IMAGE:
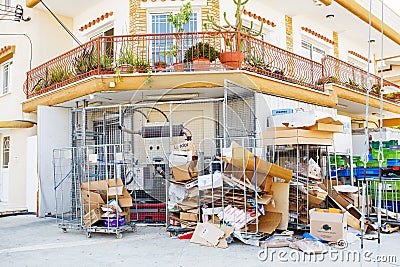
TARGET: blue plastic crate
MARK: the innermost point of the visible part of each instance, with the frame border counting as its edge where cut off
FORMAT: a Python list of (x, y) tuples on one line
[(333, 173), (344, 173), (371, 172), (393, 162), (389, 205)]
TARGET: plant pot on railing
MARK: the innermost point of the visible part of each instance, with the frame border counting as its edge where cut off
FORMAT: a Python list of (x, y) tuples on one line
[(160, 66), (179, 67), (126, 68), (201, 54), (201, 64), (232, 60)]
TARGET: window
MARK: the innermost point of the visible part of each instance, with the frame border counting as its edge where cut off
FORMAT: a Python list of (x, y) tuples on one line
[(7, 4), (6, 151), (160, 25), (5, 77), (311, 51)]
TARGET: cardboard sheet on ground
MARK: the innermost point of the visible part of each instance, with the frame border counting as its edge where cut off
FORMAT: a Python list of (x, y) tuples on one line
[(267, 223), (207, 234), (280, 193), (243, 158)]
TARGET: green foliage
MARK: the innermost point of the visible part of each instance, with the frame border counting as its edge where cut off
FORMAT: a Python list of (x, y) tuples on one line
[(59, 74), (126, 55), (352, 83), (141, 65), (201, 50), (257, 62), (230, 39), (179, 19)]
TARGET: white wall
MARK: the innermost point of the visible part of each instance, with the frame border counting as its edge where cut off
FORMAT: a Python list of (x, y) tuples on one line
[(54, 131), (32, 185)]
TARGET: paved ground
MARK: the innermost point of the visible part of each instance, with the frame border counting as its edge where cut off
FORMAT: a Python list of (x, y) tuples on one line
[(28, 241)]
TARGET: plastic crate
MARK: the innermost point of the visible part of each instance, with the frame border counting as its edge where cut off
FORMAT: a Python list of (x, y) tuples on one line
[(343, 173), (393, 154), (390, 205), (385, 144), (393, 162), (375, 163), (370, 173)]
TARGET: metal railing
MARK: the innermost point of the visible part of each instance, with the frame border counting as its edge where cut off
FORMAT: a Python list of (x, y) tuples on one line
[(342, 73), (150, 53)]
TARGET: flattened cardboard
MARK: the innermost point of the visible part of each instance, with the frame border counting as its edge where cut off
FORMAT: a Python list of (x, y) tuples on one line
[(267, 223), (114, 191), (207, 233), (227, 231), (265, 199), (92, 197), (268, 183), (280, 193), (241, 155)]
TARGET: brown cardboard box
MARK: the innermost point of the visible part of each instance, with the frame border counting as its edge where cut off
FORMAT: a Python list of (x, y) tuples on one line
[(101, 185), (92, 217), (297, 141), (329, 127), (285, 132), (238, 173), (125, 201), (280, 194), (187, 216), (181, 173), (328, 226)]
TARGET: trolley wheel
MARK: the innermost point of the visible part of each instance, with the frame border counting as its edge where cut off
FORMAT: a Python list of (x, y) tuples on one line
[(119, 235), (64, 230), (88, 234)]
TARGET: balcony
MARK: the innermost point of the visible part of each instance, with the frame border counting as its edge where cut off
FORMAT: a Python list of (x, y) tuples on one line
[(150, 54), (179, 52), (351, 77)]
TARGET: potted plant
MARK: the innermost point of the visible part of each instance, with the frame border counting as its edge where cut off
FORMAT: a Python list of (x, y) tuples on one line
[(160, 66), (126, 59), (141, 65), (178, 21), (234, 40), (201, 54)]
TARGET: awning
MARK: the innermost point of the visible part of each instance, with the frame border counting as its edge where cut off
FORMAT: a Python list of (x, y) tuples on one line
[(16, 124)]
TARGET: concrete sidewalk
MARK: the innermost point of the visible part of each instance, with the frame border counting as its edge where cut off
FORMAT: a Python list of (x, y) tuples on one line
[(7, 209), (29, 241)]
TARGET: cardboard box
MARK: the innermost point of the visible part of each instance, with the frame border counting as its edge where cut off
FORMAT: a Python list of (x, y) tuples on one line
[(114, 191), (101, 185), (285, 132), (125, 201), (186, 216), (91, 197), (92, 217), (296, 141), (329, 127), (328, 226), (211, 235), (181, 173)]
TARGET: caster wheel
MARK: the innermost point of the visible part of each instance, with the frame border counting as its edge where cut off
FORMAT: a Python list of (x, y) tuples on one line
[(88, 235), (64, 230), (119, 235)]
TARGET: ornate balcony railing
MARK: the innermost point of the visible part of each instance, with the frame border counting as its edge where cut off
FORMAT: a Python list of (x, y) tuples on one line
[(352, 77), (175, 52)]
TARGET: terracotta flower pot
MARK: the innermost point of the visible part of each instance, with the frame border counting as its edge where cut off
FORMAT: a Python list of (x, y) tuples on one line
[(179, 67), (232, 60), (201, 64)]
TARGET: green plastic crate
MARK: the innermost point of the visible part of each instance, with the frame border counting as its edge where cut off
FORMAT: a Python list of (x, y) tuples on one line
[(385, 144), (393, 154), (390, 190), (375, 163)]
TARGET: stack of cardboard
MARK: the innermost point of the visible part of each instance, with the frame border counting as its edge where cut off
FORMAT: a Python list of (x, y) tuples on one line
[(105, 199), (296, 130), (244, 196)]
